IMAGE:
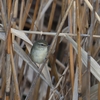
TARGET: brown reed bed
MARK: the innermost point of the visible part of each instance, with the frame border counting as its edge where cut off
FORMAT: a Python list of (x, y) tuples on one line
[(71, 70)]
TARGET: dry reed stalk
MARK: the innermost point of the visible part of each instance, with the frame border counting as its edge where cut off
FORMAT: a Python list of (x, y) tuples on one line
[(71, 50), (25, 80), (36, 90), (53, 57), (35, 13), (5, 4), (21, 73), (44, 10), (54, 90), (36, 23), (53, 62), (8, 77), (49, 29), (60, 64), (52, 15), (8, 35), (50, 50), (14, 76), (96, 51), (53, 67), (13, 95), (51, 18), (89, 54), (21, 14), (98, 48), (97, 5), (15, 13), (34, 18), (47, 94), (95, 31), (74, 26), (53, 72), (91, 8), (74, 17), (9, 4), (63, 7), (3, 85), (54, 33), (79, 53), (18, 40), (26, 11), (3, 14), (67, 92), (83, 19)]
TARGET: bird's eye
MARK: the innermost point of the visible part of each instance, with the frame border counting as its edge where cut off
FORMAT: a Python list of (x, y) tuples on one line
[(42, 44)]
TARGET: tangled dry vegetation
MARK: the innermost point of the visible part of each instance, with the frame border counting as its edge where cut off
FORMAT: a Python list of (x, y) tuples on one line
[(71, 70)]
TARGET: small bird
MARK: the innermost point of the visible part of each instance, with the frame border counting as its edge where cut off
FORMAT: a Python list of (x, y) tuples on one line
[(38, 54), (39, 51)]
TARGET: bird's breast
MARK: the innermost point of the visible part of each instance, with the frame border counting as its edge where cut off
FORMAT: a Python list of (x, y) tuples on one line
[(39, 55)]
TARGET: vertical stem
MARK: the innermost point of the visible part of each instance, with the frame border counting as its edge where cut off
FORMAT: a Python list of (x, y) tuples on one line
[(35, 95), (21, 73), (15, 13), (20, 28), (71, 50), (34, 17), (21, 14), (74, 18), (35, 13), (9, 4), (26, 11), (49, 29), (89, 54), (3, 85), (79, 53), (3, 14), (63, 7), (14, 76), (8, 75), (52, 15)]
